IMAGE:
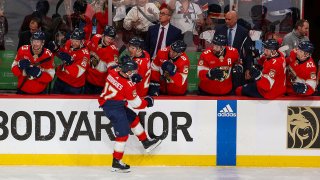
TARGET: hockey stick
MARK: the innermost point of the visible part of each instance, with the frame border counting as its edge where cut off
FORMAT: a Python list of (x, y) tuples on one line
[(58, 5)]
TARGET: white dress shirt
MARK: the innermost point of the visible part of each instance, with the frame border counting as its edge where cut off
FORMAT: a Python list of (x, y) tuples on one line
[(233, 33), (163, 44)]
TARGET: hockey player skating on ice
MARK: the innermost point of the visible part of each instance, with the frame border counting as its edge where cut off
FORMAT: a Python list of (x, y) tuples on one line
[(120, 91)]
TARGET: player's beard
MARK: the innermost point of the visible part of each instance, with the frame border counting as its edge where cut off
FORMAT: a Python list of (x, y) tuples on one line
[(175, 57), (219, 53)]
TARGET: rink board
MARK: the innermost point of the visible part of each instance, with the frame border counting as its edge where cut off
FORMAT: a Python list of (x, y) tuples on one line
[(74, 132), (196, 131)]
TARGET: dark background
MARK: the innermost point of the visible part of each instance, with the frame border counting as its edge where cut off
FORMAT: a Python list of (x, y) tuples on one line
[(311, 13)]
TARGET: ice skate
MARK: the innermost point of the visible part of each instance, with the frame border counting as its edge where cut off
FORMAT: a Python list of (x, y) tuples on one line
[(151, 144), (119, 166)]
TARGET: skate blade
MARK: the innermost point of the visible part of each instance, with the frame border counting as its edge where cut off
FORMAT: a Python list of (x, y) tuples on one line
[(120, 170), (151, 148)]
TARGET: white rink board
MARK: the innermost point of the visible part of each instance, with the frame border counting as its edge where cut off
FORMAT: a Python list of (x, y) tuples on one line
[(202, 130), (262, 128)]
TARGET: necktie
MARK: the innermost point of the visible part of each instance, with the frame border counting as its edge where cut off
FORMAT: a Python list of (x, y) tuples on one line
[(230, 37), (160, 39)]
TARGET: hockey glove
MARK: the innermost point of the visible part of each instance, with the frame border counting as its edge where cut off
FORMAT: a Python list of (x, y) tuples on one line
[(237, 69), (23, 64), (215, 74), (65, 57), (52, 46), (136, 78), (300, 88), (34, 72), (154, 89), (94, 60), (150, 101), (255, 73), (169, 67)]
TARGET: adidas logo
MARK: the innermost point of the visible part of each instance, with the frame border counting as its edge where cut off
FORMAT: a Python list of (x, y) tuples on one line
[(227, 112)]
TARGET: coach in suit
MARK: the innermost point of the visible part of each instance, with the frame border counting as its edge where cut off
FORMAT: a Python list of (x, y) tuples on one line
[(238, 37), (163, 34)]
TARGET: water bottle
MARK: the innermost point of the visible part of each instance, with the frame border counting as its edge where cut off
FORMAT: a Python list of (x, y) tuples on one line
[(94, 26)]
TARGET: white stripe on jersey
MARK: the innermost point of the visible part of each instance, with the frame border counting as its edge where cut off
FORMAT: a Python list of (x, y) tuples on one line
[(200, 68), (312, 83), (14, 63), (271, 81), (81, 71), (50, 71), (136, 102), (184, 78), (101, 67), (155, 67)]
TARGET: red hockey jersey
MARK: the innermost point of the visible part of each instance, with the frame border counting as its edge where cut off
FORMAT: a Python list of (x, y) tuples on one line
[(303, 72), (144, 70), (74, 74), (34, 85), (208, 61), (171, 85), (108, 56), (120, 88), (273, 80), (88, 27)]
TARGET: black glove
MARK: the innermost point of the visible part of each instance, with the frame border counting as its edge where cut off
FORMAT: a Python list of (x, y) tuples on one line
[(65, 57), (255, 73), (114, 66), (23, 64), (215, 74), (52, 46), (300, 88), (136, 78), (169, 67), (154, 89), (237, 69), (34, 71), (150, 101)]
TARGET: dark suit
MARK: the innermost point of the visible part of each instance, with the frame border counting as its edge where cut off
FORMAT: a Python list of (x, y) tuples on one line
[(173, 35), (240, 36)]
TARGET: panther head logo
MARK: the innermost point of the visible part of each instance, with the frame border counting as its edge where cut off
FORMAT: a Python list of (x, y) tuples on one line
[(302, 127)]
